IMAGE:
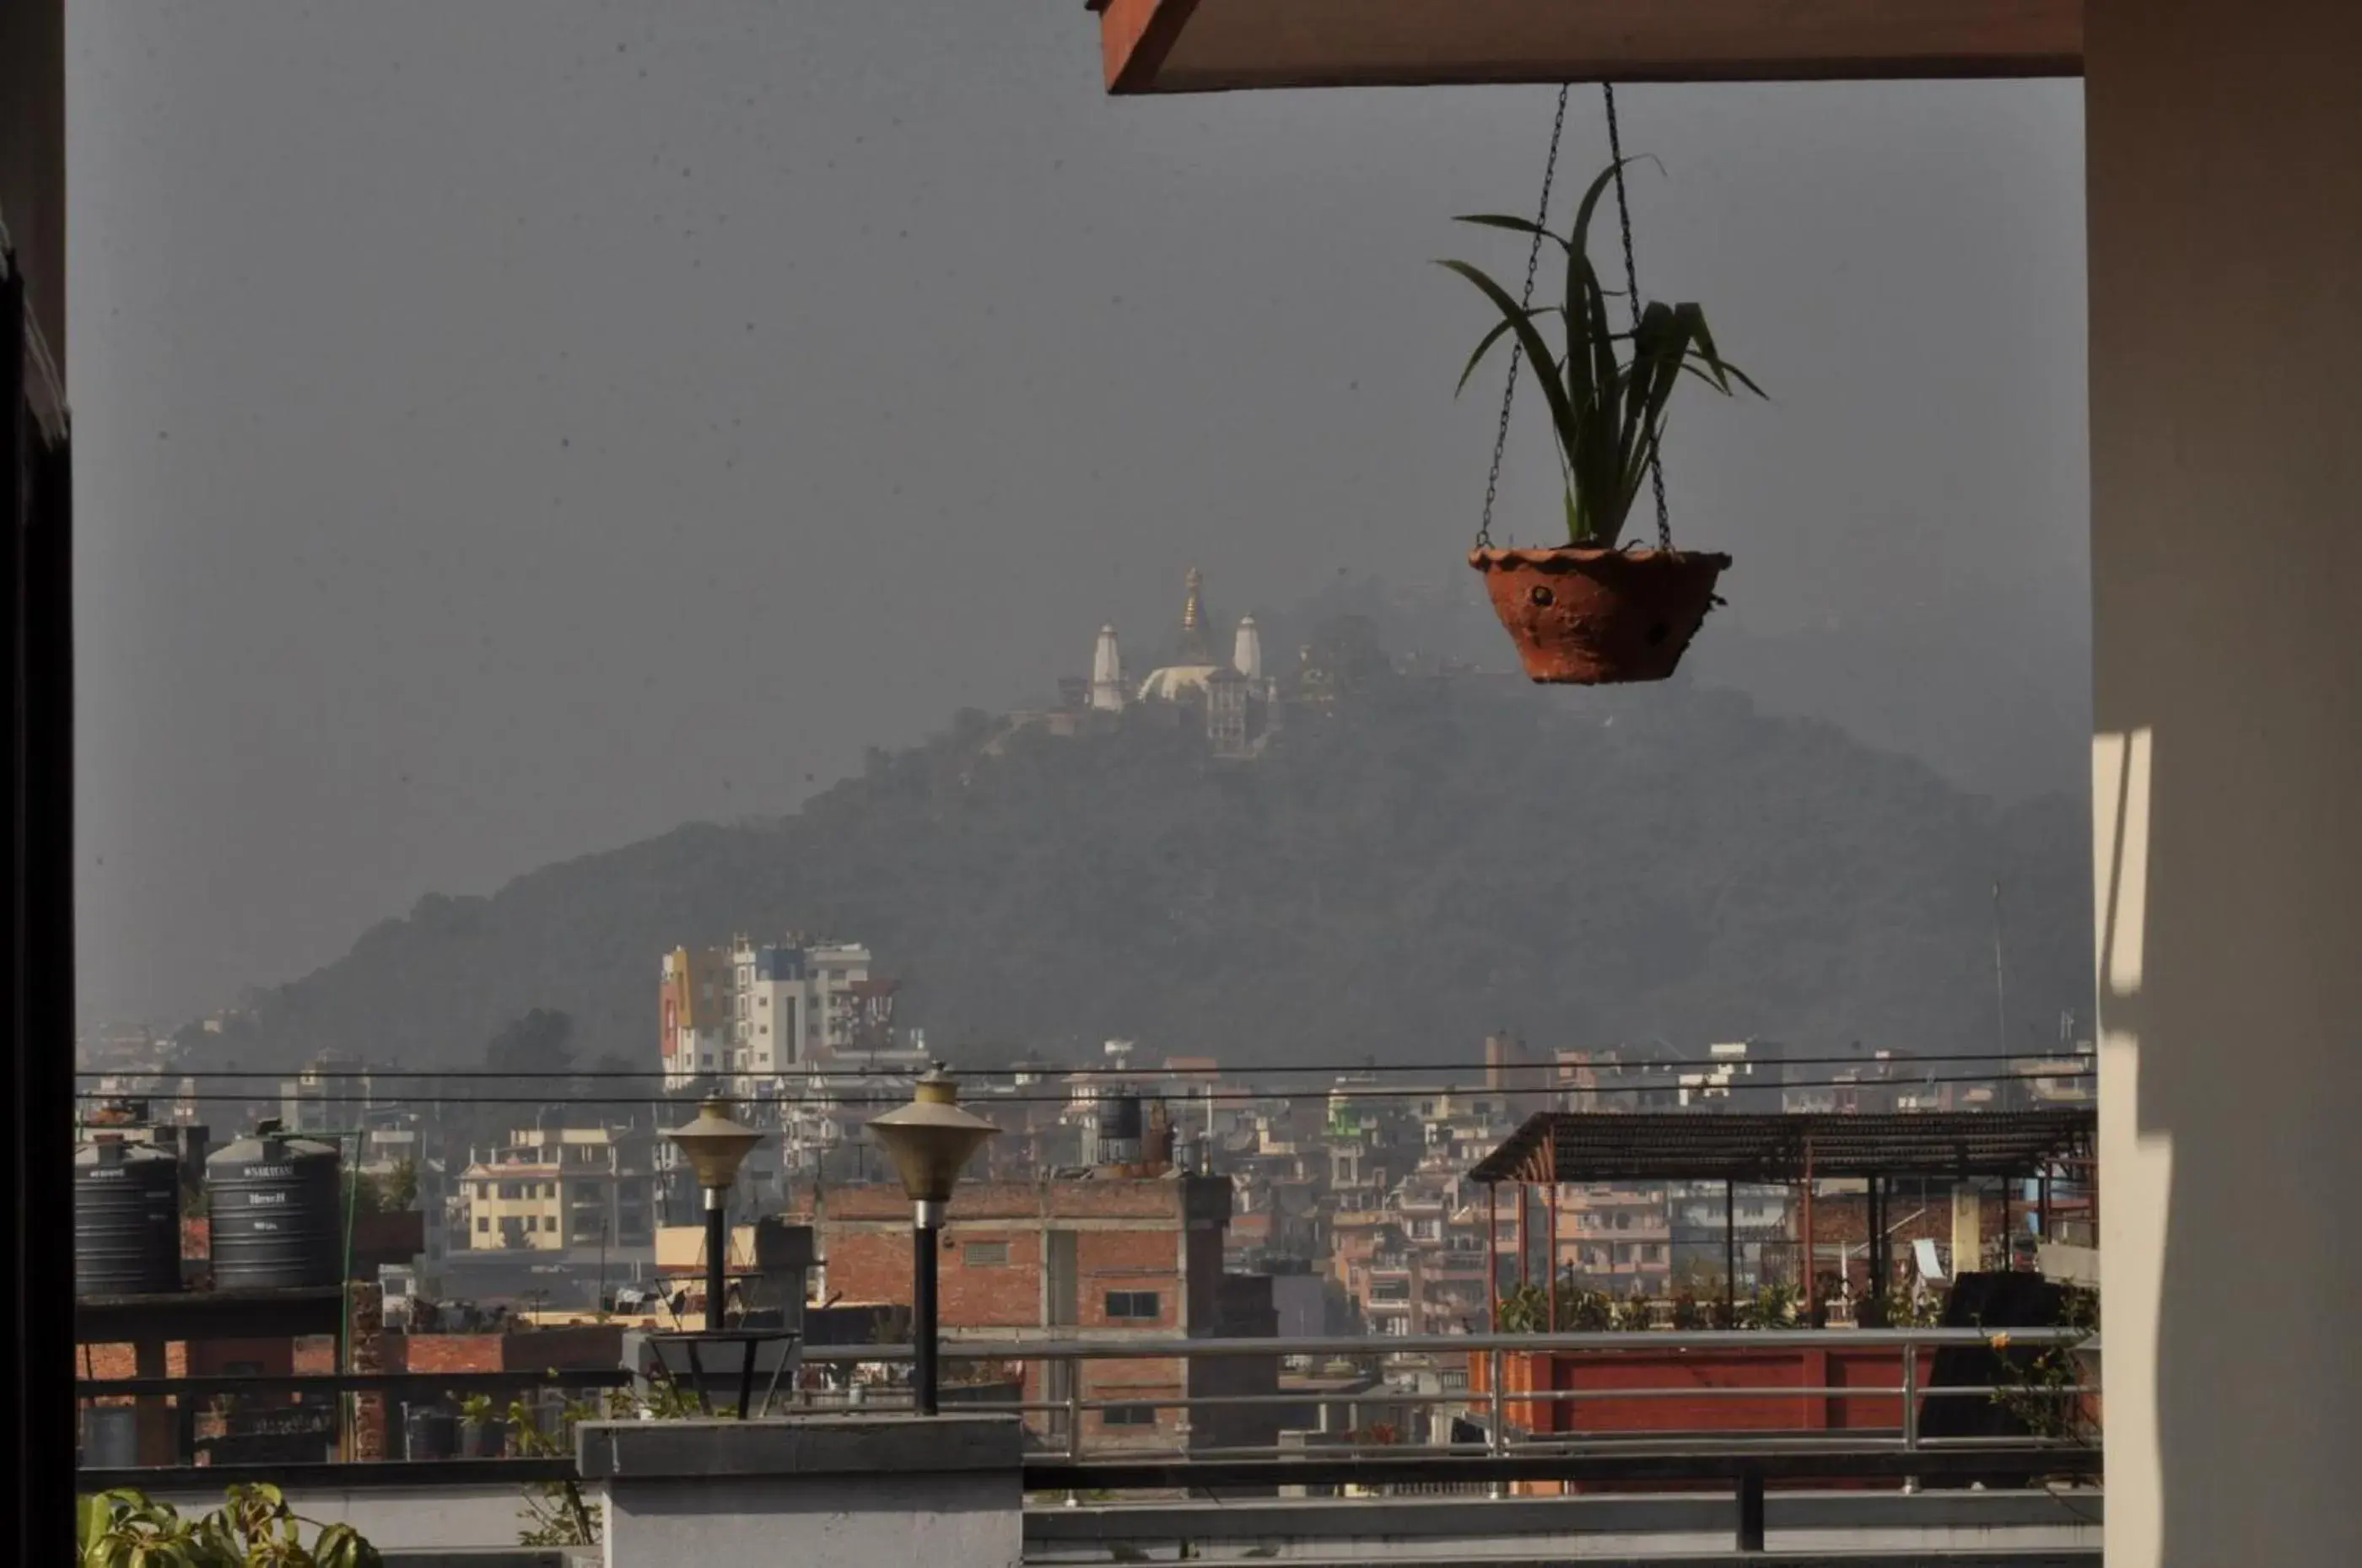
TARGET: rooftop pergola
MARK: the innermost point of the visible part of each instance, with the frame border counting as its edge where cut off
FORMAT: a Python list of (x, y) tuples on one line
[(1556, 1148), (1570, 1146)]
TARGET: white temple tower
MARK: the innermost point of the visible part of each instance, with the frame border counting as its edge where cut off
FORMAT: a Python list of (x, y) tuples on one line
[(1107, 673), (1246, 654)]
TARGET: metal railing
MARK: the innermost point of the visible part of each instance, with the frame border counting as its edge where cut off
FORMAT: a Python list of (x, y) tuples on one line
[(1486, 1402), (1061, 1418)]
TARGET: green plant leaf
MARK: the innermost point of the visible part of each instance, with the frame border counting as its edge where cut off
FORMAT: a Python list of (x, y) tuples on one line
[(1515, 225), (1500, 330), (1546, 371), (1607, 407)]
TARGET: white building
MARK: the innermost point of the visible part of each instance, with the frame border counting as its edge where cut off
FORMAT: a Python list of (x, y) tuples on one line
[(800, 1035)]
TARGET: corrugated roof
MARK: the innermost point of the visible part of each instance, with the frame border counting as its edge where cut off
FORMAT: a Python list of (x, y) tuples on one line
[(1571, 1146)]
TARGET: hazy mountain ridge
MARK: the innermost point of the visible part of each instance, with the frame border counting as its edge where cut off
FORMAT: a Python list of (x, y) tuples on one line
[(1433, 859)]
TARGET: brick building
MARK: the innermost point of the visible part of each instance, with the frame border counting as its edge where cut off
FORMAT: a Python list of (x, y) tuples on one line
[(1095, 1254)]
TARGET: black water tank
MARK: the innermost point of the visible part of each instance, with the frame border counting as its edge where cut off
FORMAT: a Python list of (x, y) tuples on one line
[(1119, 1128), (430, 1432), (126, 1235), (278, 1212)]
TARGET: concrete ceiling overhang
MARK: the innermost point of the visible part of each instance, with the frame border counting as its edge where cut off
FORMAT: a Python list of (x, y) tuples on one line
[(1213, 46)]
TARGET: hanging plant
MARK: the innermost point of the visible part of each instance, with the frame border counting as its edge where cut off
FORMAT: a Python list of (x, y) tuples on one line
[(1593, 610)]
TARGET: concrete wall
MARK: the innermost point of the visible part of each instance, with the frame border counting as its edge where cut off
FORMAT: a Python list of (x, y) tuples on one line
[(865, 1491), (2226, 211)]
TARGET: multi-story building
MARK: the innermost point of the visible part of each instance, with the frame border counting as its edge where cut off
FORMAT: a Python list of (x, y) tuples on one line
[(1095, 1254), (694, 1007), (1616, 1238), (1741, 1076), (750, 1016), (550, 1190), (331, 1094)]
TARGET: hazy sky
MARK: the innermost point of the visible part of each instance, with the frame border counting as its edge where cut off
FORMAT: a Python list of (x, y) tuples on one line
[(504, 431)]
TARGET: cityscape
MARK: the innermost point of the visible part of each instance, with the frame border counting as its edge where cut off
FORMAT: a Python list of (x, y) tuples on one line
[(1037, 787)]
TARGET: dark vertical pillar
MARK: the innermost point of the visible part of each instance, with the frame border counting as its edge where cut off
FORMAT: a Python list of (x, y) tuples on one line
[(1751, 1511), (924, 1240), (1730, 1252), (1875, 1243), (1811, 1286), (37, 650), (1549, 1257), (717, 1259), (1492, 1257), (1525, 1249)]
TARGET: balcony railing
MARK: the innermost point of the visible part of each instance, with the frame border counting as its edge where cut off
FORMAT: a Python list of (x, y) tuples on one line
[(1358, 1422)]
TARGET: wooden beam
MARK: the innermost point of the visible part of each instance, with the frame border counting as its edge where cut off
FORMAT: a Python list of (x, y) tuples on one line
[(1210, 46)]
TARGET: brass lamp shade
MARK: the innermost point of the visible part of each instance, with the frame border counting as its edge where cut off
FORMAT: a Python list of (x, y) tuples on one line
[(715, 1144), (932, 1138)]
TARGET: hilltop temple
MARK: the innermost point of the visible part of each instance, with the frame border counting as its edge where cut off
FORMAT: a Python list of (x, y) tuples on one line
[(1237, 701)]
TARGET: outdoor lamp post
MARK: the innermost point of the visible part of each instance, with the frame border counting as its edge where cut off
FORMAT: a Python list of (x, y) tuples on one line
[(928, 1141), (715, 1146)]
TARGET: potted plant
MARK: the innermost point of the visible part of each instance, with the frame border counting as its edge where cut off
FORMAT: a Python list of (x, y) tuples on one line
[(1594, 611)]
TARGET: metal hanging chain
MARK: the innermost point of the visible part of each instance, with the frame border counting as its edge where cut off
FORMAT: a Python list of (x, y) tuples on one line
[(1516, 350), (1632, 298)]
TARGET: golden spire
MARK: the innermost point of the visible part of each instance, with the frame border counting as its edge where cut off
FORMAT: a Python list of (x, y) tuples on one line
[(1194, 647)]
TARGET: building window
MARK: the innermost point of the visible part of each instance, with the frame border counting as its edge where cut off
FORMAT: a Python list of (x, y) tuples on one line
[(482, 1223), (1128, 1416), (1134, 1305), (509, 1191), (986, 1254)]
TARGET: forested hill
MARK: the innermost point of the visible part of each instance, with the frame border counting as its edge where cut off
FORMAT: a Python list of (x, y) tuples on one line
[(1430, 860)]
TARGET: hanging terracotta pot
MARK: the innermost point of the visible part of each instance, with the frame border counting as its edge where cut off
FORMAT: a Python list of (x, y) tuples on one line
[(1596, 617)]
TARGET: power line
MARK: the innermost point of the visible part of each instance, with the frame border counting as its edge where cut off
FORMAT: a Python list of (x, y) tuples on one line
[(1247, 1096), (1338, 1070)]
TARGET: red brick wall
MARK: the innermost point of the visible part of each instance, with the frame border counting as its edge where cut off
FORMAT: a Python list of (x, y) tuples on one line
[(866, 1238), (875, 1265), (1129, 1236), (1107, 1261), (579, 1346)]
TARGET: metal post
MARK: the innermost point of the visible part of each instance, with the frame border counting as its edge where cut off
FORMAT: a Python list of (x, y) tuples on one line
[(1549, 1258), (1497, 1441), (1911, 1403), (1074, 1407), (1811, 1287), (924, 1235), (717, 1257), (1729, 1251), (1750, 1511), (1492, 1257), (1877, 1207)]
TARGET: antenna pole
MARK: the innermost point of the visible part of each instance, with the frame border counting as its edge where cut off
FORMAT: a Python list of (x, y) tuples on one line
[(2001, 980)]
